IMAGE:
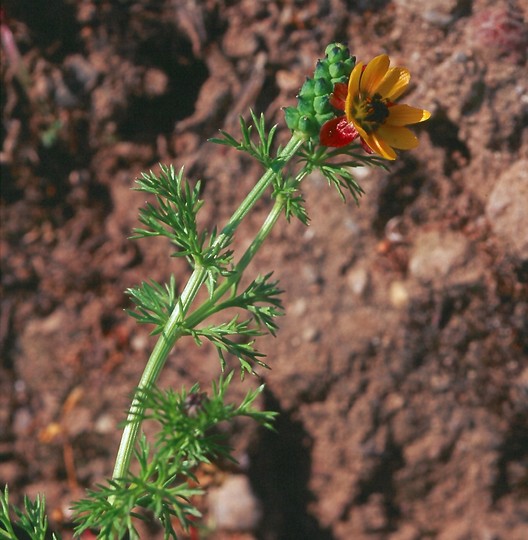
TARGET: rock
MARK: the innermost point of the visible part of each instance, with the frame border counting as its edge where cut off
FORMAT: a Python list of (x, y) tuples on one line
[(240, 41), (233, 506), (436, 12), (506, 209), (105, 424), (22, 420), (358, 280), (500, 32), (155, 82), (287, 81), (438, 254), (77, 421)]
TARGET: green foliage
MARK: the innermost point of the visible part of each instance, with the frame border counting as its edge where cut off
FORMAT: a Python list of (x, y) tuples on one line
[(163, 489), (337, 171), (219, 336), (287, 191), (261, 150), (175, 216), (154, 303), (188, 420), (31, 520), (156, 492), (261, 300)]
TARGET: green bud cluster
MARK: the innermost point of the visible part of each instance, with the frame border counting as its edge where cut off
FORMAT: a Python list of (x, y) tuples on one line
[(313, 102)]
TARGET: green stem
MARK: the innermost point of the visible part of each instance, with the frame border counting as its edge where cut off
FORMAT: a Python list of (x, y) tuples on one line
[(155, 364), (287, 153), (210, 306), (172, 332)]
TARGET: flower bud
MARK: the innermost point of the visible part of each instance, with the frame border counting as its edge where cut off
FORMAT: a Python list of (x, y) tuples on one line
[(321, 70), (305, 104), (321, 104), (336, 69), (336, 52), (322, 118), (323, 87), (291, 115), (307, 89), (309, 126), (313, 105)]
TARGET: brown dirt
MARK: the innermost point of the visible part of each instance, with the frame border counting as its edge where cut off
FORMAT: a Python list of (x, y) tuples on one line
[(400, 370)]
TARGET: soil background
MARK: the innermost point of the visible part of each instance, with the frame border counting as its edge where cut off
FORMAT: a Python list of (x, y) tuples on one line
[(400, 370)]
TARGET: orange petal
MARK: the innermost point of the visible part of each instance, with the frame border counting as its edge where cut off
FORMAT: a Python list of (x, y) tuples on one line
[(394, 83), (398, 137), (374, 73), (353, 88), (402, 115), (360, 130), (379, 146)]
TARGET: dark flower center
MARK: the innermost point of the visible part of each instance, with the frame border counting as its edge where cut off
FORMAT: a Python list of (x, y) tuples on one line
[(370, 112)]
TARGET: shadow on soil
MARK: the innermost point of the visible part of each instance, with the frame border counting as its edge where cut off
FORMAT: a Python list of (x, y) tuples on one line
[(280, 471)]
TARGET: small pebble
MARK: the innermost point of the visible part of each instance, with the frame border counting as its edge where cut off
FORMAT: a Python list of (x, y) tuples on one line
[(398, 294), (105, 424), (234, 506), (358, 281)]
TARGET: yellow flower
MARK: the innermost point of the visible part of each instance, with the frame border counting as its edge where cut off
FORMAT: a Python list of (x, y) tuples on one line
[(370, 111)]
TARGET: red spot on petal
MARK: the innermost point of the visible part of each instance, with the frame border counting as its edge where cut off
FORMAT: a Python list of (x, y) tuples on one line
[(337, 132)]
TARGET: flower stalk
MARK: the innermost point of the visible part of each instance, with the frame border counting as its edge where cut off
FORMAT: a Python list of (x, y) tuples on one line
[(365, 94), (173, 331)]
